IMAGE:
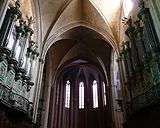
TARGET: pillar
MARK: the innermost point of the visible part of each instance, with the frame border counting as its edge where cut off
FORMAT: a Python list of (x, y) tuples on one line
[(38, 88)]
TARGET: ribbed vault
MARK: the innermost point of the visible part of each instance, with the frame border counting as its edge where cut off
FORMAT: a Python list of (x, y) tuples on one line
[(80, 42), (57, 14)]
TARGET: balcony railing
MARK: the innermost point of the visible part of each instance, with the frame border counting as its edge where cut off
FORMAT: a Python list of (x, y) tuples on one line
[(15, 101)]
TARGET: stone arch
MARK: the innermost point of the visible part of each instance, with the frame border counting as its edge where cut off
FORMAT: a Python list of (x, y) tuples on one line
[(100, 62), (63, 30), (56, 37)]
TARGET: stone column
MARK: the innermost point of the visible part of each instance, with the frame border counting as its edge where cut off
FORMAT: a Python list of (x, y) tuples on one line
[(47, 106), (63, 125), (37, 89), (89, 101), (100, 102), (57, 103), (53, 105), (62, 104), (76, 102), (122, 80), (72, 103)]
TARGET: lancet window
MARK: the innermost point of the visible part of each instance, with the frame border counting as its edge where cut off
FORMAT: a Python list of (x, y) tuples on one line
[(81, 95)]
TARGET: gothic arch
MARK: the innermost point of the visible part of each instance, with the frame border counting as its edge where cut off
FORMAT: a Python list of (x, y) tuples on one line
[(63, 61), (55, 37)]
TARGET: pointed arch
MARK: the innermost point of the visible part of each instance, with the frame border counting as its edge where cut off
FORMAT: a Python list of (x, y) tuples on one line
[(55, 37)]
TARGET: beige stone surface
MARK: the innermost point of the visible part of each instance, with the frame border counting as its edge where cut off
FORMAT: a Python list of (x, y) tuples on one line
[(103, 14)]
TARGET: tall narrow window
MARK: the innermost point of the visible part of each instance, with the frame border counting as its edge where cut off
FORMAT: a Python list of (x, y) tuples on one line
[(67, 98), (81, 95), (95, 94), (104, 93)]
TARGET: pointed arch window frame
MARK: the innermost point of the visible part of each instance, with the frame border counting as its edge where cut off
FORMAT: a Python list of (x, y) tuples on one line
[(104, 94), (81, 95), (95, 94), (67, 94)]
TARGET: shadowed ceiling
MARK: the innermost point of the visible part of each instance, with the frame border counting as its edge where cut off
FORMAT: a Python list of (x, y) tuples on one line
[(82, 43)]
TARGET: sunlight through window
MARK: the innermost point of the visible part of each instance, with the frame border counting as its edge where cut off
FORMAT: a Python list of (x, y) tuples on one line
[(95, 94), (127, 6), (67, 98), (81, 95), (104, 93)]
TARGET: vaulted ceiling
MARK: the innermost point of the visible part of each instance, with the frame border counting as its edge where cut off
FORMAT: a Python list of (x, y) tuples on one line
[(104, 15), (76, 46), (81, 28), (55, 17)]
